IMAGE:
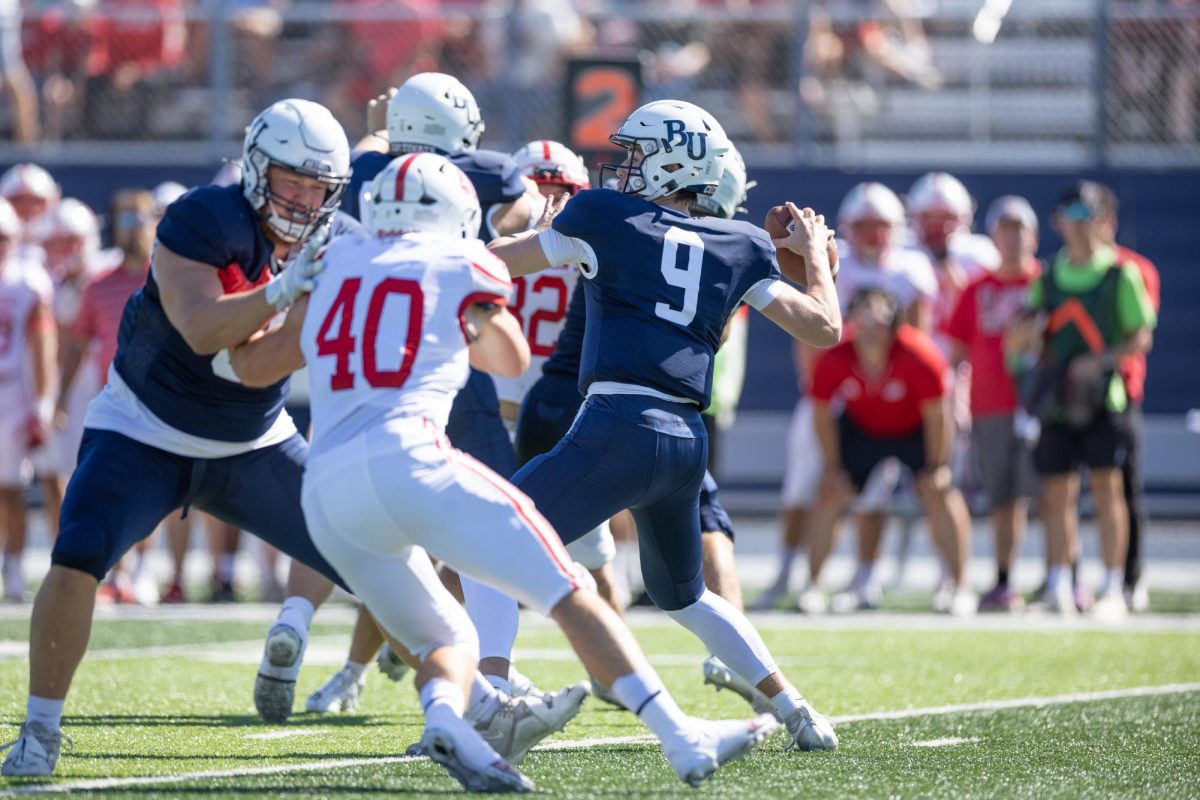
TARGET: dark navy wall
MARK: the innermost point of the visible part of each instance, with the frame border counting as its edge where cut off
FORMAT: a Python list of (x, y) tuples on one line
[(1160, 217)]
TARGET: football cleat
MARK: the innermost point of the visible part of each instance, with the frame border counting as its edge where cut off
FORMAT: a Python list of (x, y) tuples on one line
[(391, 664), (810, 730), (770, 599), (520, 686), (516, 725), (1110, 606), (813, 601), (1137, 597), (275, 686), (470, 761), (602, 692), (706, 746), (34, 752), (722, 677), (340, 693)]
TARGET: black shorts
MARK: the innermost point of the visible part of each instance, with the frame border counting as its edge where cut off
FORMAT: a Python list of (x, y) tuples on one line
[(1101, 445), (862, 451)]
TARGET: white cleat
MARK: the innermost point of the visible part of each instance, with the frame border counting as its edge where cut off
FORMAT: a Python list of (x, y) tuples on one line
[(1137, 597), (1110, 606), (516, 725), (275, 686), (722, 677), (471, 761), (706, 746), (1060, 600), (391, 664), (520, 686), (34, 752), (964, 603), (813, 601), (340, 693), (809, 730)]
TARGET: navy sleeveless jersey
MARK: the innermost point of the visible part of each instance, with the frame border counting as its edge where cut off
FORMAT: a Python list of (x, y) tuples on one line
[(213, 225), (493, 174), (663, 287), (569, 349)]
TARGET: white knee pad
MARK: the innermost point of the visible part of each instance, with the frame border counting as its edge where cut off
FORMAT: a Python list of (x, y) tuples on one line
[(595, 548)]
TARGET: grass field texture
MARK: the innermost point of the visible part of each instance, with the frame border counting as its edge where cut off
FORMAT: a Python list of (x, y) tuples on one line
[(162, 708)]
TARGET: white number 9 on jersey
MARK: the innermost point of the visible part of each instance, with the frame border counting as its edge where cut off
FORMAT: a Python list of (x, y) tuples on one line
[(687, 278)]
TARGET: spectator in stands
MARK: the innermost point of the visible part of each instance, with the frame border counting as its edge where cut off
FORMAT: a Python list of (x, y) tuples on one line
[(1133, 371), (987, 308), (1096, 313), (887, 379), (64, 49), (17, 82), (749, 59)]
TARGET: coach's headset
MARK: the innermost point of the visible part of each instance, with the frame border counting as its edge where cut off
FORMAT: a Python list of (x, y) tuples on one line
[(864, 296)]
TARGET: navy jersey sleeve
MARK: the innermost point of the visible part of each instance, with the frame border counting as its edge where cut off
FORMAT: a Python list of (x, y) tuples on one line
[(493, 174), (363, 169), (211, 225), (588, 214)]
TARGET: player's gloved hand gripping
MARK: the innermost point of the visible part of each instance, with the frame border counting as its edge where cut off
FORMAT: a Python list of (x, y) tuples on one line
[(296, 279)]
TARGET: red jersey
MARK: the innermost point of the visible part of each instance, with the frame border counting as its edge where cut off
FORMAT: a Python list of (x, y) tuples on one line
[(887, 404), (986, 309), (1133, 368), (99, 317)]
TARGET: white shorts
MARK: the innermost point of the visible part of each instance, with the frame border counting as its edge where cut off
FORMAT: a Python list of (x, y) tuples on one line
[(400, 489), (802, 473), (61, 453), (595, 548), (13, 417)]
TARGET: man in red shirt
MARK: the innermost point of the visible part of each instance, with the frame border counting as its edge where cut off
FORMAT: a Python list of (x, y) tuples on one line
[(889, 380), (1133, 370), (987, 308)]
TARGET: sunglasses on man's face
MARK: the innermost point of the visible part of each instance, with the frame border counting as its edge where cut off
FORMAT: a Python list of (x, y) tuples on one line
[(128, 220), (1076, 212)]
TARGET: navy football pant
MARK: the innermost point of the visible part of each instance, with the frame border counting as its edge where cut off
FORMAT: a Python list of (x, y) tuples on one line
[(122, 489), (546, 415), (640, 453), (476, 428)]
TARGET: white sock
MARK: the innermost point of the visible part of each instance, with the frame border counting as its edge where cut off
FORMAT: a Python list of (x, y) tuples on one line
[(787, 555), (1113, 579), (1055, 576), (441, 701), (786, 702), (728, 635), (139, 567), (45, 711), (484, 697), (496, 618), (297, 612), (356, 669), (644, 695), (864, 574)]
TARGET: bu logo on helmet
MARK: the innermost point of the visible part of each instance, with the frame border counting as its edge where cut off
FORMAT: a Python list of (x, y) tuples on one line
[(678, 128)]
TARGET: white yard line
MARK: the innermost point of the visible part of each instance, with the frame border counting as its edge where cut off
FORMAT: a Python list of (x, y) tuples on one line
[(284, 734), (947, 742), (311, 766)]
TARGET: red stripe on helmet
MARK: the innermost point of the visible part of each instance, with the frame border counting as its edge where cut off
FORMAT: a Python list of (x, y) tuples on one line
[(404, 165)]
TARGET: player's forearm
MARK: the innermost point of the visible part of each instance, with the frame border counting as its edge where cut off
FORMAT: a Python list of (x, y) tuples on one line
[(70, 356), (500, 348), (216, 324), (521, 253), (42, 346), (268, 358), (808, 316)]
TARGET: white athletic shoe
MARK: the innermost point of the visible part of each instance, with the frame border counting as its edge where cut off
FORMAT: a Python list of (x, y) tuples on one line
[(863, 597), (517, 724), (1060, 600), (943, 597), (471, 761), (340, 693), (701, 751), (14, 581), (145, 590), (810, 730), (1110, 606), (813, 601), (521, 686), (34, 752), (391, 665), (769, 600), (1137, 597), (275, 686), (722, 677), (964, 603)]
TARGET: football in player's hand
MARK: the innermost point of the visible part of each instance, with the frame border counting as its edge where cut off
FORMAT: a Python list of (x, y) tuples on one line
[(791, 264)]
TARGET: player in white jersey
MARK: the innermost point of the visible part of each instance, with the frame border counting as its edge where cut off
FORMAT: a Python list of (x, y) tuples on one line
[(27, 374), (387, 335), (871, 220), (32, 192)]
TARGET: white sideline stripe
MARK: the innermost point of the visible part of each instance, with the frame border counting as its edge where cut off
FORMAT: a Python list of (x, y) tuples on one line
[(1024, 702), (283, 734), (947, 742), (577, 744)]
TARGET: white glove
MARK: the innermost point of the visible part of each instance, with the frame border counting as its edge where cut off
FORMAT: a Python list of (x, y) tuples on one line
[(296, 279)]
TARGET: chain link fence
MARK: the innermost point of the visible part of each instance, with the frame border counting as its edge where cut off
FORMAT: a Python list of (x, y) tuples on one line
[(850, 83)]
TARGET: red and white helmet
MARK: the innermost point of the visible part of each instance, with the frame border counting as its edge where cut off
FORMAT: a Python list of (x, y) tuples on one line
[(421, 192), (940, 191), (545, 161), (871, 200), (30, 189), (10, 223), (70, 235)]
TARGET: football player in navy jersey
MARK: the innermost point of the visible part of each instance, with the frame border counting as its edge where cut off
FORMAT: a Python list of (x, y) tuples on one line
[(660, 286), (173, 427), (434, 112)]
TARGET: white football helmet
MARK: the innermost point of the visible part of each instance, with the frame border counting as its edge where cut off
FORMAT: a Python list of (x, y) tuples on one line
[(433, 111), (301, 136), (871, 200), (166, 193), (421, 192), (681, 146), (70, 235), (544, 161), (731, 192), (940, 191), (29, 179)]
